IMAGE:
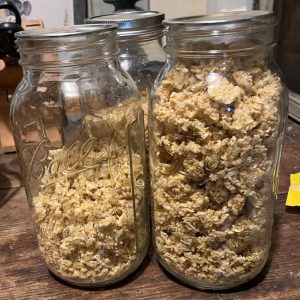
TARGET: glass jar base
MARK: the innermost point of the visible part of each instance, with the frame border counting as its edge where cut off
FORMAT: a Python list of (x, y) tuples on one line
[(109, 282), (209, 287)]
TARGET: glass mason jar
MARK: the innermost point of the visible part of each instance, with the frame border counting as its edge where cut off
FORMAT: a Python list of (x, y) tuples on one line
[(78, 129), (140, 41), (216, 123)]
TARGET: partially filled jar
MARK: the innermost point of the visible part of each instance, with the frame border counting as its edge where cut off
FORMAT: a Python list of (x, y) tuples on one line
[(78, 129), (140, 41), (216, 123)]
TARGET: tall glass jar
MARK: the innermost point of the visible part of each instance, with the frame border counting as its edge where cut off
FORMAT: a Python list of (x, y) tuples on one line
[(141, 53), (216, 123), (78, 129), (140, 41)]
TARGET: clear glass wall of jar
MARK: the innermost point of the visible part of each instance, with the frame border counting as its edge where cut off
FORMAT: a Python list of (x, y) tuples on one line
[(78, 129), (140, 41), (216, 123)]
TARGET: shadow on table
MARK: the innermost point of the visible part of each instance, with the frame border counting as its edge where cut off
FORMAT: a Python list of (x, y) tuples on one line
[(292, 210), (7, 191)]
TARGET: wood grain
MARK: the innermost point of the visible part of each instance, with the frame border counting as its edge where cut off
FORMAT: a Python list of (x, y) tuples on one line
[(23, 274)]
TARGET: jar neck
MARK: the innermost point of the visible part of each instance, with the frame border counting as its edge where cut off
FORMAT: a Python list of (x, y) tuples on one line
[(141, 36), (146, 46), (58, 73), (70, 51), (265, 54), (190, 43)]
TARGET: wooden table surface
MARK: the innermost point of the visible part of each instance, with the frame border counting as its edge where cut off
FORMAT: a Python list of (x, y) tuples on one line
[(24, 276)]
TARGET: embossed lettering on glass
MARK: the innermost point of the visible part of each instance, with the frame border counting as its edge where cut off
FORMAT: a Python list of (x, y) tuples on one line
[(78, 128)]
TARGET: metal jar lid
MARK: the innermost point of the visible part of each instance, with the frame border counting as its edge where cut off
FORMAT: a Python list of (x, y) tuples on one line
[(65, 31), (67, 46), (225, 21), (133, 24)]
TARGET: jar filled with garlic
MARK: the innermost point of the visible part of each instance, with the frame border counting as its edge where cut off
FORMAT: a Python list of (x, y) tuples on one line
[(78, 128), (216, 123)]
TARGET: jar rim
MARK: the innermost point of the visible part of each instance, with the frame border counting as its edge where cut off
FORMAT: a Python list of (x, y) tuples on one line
[(65, 31), (137, 23), (226, 33), (223, 18), (67, 46), (220, 18)]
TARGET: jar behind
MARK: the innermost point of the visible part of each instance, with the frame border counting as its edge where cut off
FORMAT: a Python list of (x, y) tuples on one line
[(216, 122), (140, 42), (78, 129)]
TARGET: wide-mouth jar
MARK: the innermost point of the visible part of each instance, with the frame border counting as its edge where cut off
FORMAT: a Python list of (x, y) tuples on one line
[(140, 40), (216, 121), (78, 129)]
